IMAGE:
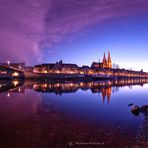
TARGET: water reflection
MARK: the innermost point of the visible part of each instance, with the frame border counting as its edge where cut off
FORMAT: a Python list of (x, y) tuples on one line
[(6, 85), (106, 88), (60, 112)]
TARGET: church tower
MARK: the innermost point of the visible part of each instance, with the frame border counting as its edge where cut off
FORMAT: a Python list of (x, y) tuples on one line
[(104, 61), (109, 61)]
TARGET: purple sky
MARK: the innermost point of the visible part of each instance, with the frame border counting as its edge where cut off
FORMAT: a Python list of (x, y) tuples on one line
[(31, 29)]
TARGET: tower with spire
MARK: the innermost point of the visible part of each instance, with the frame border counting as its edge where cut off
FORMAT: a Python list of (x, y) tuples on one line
[(107, 62), (104, 61)]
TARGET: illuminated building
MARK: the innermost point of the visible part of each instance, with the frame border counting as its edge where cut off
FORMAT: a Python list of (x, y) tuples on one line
[(106, 62), (58, 68)]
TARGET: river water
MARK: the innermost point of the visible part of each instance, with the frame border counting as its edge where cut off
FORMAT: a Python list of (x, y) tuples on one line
[(72, 114)]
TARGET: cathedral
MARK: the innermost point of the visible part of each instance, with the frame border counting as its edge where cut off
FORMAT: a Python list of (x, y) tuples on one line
[(106, 62)]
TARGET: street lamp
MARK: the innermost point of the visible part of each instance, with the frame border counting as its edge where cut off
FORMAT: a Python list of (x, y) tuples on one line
[(8, 62)]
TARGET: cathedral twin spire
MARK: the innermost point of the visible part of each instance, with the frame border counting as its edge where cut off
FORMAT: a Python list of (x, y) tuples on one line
[(107, 62)]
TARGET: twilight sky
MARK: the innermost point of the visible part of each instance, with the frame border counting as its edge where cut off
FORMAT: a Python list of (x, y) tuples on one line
[(76, 31)]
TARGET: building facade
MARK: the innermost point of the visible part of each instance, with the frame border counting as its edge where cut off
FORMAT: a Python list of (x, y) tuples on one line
[(57, 68)]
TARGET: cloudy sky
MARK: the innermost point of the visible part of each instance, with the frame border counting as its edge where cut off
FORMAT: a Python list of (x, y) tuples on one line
[(76, 31)]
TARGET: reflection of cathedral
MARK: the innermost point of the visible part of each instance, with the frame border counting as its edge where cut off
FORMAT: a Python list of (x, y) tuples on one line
[(60, 88), (105, 88), (106, 92)]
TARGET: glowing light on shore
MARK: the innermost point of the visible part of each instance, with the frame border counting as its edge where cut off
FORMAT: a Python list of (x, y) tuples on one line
[(81, 72), (71, 84), (8, 62), (15, 74)]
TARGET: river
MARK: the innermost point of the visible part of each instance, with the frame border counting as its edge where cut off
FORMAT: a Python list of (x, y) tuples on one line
[(72, 114)]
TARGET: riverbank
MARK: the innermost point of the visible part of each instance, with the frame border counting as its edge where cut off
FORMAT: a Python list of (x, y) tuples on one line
[(85, 77)]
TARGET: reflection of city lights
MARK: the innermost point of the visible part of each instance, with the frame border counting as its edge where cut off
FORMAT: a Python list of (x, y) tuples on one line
[(34, 86), (58, 84), (71, 84), (19, 90), (81, 84), (8, 94), (45, 85), (15, 83), (45, 71)]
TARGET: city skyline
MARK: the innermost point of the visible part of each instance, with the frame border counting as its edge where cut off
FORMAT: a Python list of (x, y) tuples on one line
[(104, 62), (75, 31)]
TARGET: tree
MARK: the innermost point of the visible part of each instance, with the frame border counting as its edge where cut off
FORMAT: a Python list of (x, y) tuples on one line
[(116, 66)]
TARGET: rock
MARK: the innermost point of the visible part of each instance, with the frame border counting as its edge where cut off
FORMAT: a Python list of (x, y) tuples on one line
[(144, 108), (131, 104), (135, 110)]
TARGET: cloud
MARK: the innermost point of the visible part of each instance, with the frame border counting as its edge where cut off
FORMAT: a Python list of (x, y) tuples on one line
[(69, 16), (29, 27), (21, 29)]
